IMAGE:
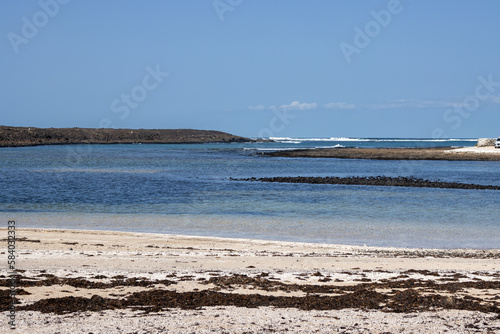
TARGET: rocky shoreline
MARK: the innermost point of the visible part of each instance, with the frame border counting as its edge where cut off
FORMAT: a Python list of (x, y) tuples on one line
[(30, 136), (438, 153)]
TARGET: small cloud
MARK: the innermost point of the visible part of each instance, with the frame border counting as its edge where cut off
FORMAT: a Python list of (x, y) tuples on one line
[(425, 104), (411, 105), (398, 104), (389, 105), (296, 105), (259, 107), (340, 105)]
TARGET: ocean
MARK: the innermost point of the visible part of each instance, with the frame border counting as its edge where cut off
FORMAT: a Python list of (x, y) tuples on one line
[(186, 189)]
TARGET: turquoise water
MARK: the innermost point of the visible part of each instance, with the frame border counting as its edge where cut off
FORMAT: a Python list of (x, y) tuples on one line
[(186, 189)]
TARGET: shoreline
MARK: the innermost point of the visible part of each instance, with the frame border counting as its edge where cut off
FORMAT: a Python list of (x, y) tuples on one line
[(109, 223), (254, 241), (119, 276), (437, 153), (347, 233)]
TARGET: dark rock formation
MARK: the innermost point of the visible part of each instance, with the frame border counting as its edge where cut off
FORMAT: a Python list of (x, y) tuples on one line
[(23, 136), (373, 181)]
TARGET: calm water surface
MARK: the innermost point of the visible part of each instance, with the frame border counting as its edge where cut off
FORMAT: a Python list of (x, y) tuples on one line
[(186, 189)]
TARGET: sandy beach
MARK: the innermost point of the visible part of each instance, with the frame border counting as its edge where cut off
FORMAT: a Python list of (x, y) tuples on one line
[(117, 282)]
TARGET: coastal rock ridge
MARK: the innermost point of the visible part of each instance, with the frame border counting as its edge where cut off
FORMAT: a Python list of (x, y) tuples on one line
[(30, 136)]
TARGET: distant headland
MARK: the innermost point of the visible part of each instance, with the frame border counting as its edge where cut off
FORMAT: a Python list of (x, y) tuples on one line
[(30, 136)]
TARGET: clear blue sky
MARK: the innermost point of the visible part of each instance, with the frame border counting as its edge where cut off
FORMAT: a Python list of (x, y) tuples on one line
[(421, 68)]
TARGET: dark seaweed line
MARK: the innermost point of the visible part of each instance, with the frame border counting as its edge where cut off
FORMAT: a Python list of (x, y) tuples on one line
[(371, 181), (411, 298)]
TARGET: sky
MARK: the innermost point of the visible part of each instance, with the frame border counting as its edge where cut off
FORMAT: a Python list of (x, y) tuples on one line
[(259, 68)]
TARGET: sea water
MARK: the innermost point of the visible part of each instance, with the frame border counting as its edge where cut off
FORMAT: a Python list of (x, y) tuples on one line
[(186, 189)]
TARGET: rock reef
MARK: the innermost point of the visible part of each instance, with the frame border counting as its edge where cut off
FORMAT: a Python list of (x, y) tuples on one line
[(373, 181)]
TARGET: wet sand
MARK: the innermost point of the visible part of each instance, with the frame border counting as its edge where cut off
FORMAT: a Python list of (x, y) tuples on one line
[(439, 153), (91, 281)]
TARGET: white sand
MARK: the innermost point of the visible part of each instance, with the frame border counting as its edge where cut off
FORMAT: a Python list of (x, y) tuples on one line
[(258, 320)]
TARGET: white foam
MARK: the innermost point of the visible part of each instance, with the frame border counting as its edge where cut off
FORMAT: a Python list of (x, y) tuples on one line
[(270, 149), (301, 140), (335, 146), (296, 140)]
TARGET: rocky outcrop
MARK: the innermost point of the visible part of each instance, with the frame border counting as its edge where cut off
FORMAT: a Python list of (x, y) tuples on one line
[(485, 142), (24, 136)]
